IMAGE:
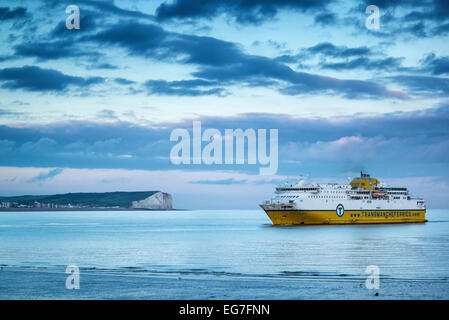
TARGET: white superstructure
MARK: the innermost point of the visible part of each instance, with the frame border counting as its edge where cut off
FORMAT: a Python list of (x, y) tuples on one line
[(325, 196)]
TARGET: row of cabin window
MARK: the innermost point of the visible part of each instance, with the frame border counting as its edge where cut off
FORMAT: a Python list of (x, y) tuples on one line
[(327, 197)]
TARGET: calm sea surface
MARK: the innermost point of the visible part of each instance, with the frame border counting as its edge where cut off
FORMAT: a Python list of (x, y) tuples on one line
[(225, 243)]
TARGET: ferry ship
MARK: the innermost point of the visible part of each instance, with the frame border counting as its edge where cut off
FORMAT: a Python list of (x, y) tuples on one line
[(363, 200)]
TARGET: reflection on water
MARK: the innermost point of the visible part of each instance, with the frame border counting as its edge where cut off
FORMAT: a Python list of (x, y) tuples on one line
[(233, 242)]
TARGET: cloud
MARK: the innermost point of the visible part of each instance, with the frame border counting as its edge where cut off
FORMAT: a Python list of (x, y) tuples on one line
[(61, 42), (386, 64), (9, 113), (6, 145), (124, 81), (46, 176), (436, 65), (326, 19), (343, 148), (405, 141), (243, 11), (32, 78), (12, 14), (110, 7), (335, 57), (331, 50), (53, 50), (441, 30), (107, 114), (43, 145), (253, 68), (104, 66), (224, 181), (89, 22), (399, 18), (101, 7), (225, 62), (435, 10), (195, 87), (152, 41), (423, 85)]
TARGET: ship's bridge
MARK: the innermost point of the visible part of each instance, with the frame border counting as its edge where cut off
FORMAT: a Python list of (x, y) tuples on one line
[(364, 182)]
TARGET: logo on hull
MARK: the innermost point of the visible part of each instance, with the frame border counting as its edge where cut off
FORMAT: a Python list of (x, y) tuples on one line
[(340, 210)]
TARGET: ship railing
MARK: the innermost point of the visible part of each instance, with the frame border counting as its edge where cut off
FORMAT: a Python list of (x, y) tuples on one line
[(273, 204)]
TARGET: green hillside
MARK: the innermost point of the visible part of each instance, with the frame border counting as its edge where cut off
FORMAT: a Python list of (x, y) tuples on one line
[(103, 199)]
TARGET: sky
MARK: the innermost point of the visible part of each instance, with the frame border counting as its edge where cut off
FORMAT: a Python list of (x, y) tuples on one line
[(92, 109)]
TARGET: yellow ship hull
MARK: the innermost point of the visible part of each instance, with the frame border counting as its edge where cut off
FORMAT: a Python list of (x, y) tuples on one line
[(315, 217)]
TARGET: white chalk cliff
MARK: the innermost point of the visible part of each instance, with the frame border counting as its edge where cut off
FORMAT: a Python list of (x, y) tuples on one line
[(159, 200)]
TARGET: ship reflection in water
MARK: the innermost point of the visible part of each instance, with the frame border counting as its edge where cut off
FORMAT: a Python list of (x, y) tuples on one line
[(230, 254)]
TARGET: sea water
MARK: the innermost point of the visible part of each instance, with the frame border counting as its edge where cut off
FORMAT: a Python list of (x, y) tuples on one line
[(232, 246)]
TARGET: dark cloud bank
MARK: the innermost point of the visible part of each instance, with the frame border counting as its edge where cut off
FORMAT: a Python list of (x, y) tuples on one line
[(389, 142)]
